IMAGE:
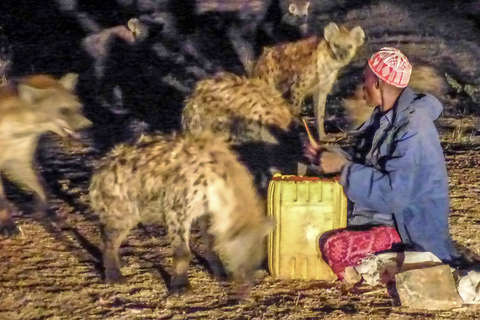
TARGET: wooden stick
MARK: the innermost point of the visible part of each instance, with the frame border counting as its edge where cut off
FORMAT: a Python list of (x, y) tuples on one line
[(310, 137)]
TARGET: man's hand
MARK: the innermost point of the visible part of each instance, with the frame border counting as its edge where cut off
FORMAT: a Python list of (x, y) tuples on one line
[(312, 153), (332, 162)]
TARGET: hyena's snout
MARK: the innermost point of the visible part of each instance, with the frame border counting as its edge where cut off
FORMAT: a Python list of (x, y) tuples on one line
[(294, 20), (81, 122), (74, 124), (245, 252), (302, 19), (79, 125)]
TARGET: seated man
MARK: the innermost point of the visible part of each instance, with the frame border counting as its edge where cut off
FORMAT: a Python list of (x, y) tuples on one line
[(395, 175)]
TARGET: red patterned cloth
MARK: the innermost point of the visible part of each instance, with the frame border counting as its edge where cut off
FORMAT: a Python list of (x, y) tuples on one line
[(347, 248)]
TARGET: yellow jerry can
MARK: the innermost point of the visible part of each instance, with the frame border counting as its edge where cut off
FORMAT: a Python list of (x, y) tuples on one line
[(303, 209)]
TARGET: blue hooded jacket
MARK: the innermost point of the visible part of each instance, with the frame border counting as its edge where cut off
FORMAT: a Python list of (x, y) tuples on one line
[(406, 175)]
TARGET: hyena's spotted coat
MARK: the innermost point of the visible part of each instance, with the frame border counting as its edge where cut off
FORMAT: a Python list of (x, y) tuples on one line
[(239, 108), (173, 181)]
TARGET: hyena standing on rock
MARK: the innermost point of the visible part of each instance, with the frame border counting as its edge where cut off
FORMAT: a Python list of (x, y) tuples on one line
[(35, 105), (173, 181), (309, 67)]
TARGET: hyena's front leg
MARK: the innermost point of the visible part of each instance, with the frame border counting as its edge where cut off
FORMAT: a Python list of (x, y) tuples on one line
[(22, 173), (112, 238), (297, 101), (8, 228), (320, 100), (179, 233)]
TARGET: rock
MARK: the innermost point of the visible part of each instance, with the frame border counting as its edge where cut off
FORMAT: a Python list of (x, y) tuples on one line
[(469, 287), (430, 288), (382, 268), (351, 275)]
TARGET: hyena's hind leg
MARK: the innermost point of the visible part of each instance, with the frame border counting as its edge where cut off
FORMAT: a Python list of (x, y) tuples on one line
[(112, 238), (212, 257), (179, 234), (8, 228)]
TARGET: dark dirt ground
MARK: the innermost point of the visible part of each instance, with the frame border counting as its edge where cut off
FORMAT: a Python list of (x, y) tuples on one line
[(53, 274)]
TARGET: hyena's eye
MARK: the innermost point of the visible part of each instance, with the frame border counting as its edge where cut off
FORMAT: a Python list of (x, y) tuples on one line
[(336, 45), (349, 46), (65, 111)]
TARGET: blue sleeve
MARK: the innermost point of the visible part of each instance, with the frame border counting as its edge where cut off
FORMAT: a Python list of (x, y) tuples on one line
[(385, 191)]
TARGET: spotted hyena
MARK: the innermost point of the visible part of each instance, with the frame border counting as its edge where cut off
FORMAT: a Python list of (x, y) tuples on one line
[(30, 107), (174, 180), (296, 13), (239, 108), (257, 121), (309, 67), (243, 19), (98, 44)]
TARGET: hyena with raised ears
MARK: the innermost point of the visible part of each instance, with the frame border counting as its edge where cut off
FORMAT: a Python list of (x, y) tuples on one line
[(309, 67), (174, 180)]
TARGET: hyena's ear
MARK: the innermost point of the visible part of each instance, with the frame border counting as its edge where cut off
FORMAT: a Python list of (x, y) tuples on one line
[(69, 81), (292, 8), (133, 25), (29, 94), (358, 34), (138, 29), (331, 30)]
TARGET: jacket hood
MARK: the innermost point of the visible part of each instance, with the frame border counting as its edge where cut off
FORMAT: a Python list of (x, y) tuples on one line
[(421, 103), (409, 101)]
